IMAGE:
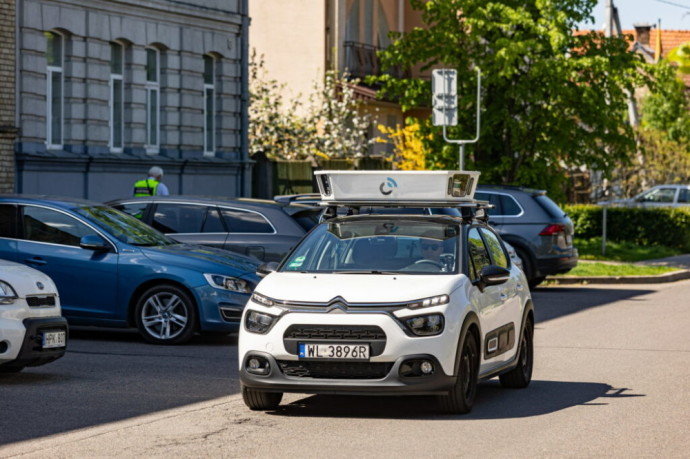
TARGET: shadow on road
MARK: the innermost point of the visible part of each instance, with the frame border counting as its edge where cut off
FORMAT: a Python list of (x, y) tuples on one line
[(493, 402), (554, 302)]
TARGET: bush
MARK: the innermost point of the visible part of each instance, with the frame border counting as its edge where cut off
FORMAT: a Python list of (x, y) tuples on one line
[(643, 226)]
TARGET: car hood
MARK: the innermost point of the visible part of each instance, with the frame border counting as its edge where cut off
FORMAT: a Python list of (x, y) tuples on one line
[(354, 288), (201, 257), (25, 280)]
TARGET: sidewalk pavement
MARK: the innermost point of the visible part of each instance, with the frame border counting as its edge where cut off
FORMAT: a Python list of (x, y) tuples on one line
[(682, 262)]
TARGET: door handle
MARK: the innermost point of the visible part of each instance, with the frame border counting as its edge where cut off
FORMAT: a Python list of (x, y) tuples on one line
[(36, 262)]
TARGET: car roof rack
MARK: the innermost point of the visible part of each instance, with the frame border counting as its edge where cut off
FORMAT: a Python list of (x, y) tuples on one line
[(426, 189)]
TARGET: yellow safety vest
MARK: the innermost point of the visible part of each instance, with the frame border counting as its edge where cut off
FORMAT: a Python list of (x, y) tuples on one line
[(146, 187)]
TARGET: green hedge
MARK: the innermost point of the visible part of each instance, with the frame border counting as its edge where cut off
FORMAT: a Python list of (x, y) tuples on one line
[(643, 226)]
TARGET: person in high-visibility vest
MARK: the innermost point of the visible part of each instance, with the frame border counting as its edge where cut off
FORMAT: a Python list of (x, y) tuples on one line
[(152, 186)]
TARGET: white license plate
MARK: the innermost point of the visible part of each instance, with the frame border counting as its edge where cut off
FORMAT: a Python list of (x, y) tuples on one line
[(334, 351), (53, 339)]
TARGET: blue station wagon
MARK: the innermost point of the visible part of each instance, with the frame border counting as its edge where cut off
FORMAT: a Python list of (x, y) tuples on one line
[(113, 270)]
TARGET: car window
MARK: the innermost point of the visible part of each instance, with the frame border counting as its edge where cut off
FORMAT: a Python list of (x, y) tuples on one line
[(684, 196), (377, 245), (135, 209), (665, 195), (47, 225), (8, 220), (504, 204), (123, 227), (498, 254), (478, 255), (242, 221)]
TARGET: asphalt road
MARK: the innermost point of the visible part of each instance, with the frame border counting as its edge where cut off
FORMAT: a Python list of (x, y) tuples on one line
[(611, 380)]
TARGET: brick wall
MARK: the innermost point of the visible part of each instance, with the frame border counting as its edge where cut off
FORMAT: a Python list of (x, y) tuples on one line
[(7, 95)]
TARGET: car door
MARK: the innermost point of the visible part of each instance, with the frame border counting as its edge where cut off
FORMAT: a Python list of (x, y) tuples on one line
[(491, 302), (190, 223), (86, 279)]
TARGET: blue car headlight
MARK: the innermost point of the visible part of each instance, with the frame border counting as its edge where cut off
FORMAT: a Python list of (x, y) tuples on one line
[(229, 283)]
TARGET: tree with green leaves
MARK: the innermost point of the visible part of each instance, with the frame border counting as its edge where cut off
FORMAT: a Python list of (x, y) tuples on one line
[(550, 98)]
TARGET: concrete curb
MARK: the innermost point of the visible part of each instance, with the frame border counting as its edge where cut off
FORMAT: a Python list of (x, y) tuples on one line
[(658, 279)]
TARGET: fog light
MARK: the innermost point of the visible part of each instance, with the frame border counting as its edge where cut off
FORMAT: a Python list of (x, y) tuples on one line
[(426, 367), (257, 365)]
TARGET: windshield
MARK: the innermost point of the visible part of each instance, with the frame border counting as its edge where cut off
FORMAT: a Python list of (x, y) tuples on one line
[(124, 227), (378, 246)]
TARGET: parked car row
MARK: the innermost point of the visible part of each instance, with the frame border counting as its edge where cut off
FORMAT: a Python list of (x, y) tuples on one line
[(656, 196), (117, 269)]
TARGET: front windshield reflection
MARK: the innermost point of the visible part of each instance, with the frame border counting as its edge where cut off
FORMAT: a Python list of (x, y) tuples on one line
[(380, 246), (124, 227)]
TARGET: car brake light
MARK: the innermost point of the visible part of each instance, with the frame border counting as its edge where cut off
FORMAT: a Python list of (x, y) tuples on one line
[(552, 229)]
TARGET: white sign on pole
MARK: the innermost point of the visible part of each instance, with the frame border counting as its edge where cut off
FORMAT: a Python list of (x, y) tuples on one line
[(444, 86)]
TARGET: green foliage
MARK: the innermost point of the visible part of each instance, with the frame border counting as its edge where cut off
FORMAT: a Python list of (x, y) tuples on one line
[(608, 269), (662, 226), (550, 99), (667, 107)]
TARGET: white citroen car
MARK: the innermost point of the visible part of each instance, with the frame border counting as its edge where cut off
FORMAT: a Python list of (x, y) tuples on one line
[(390, 304), (32, 329)]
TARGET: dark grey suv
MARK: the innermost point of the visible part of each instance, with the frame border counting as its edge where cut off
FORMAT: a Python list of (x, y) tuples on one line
[(264, 229), (539, 230)]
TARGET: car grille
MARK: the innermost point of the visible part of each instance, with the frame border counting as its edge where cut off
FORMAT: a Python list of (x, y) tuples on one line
[(370, 334), (336, 370), (40, 301)]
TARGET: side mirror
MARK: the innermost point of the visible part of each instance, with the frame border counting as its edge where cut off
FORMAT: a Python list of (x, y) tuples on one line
[(94, 242), (265, 269), (492, 275)]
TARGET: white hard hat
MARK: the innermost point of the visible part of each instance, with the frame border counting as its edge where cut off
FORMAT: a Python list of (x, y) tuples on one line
[(156, 171)]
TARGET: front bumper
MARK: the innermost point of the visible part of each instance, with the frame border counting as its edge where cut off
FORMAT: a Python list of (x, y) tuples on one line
[(392, 383), (220, 311), (32, 352)]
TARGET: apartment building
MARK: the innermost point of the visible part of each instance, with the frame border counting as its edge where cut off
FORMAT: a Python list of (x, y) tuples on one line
[(107, 88)]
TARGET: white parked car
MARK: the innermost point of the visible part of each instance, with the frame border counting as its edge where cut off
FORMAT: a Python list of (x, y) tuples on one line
[(32, 329), (390, 304)]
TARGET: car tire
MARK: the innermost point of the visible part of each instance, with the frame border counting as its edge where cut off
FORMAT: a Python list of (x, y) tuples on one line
[(257, 400), (460, 398), (520, 376), (166, 314)]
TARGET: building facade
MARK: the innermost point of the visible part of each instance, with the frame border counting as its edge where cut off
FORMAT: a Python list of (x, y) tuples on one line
[(300, 40), (108, 88), (8, 128)]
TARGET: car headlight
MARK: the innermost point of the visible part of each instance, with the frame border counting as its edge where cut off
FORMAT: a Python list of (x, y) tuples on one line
[(233, 284), (428, 325), (262, 300), (258, 322), (7, 293), (431, 301)]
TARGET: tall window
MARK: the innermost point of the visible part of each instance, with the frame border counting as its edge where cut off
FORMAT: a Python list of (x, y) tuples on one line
[(54, 91), (209, 105), (152, 99), (117, 93)]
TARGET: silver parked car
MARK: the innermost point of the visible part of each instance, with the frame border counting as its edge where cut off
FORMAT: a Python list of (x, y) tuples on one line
[(656, 196)]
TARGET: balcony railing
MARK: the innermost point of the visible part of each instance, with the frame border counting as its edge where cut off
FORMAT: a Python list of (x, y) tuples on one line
[(361, 60)]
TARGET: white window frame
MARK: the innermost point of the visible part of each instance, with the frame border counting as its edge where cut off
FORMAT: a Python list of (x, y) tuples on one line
[(50, 71), (114, 77), (153, 87), (210, 150)]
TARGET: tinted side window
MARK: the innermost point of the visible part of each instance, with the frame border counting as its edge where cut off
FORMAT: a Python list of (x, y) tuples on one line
[(478, 255), (8, 220), (213, 222), (242, 221), (509, 206), (684, 196), (498, 255), (47, 225), (493, 199)]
